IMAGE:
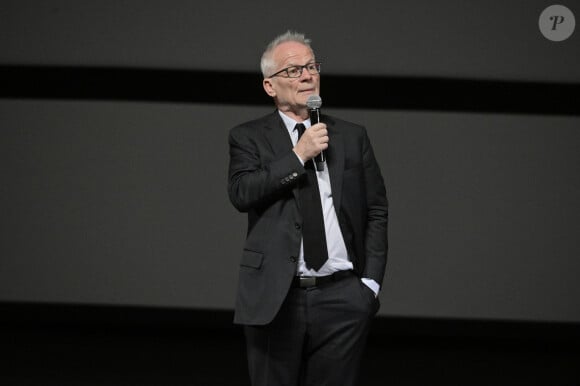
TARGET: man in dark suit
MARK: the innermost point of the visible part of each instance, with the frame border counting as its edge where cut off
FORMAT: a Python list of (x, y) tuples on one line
[(316, 245)]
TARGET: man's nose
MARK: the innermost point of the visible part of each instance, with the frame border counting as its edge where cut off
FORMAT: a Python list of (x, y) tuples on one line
[(305, 74)]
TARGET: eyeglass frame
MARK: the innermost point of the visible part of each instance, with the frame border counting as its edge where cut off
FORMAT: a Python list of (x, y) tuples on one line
[(301, 69)]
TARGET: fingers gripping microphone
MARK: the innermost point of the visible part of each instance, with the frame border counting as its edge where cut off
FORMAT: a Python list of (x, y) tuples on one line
[(313, 103)]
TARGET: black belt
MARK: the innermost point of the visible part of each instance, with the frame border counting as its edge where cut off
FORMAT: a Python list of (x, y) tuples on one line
[(315, 281)]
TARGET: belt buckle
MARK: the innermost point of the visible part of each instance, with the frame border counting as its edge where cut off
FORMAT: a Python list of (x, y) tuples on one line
[(307, 281)]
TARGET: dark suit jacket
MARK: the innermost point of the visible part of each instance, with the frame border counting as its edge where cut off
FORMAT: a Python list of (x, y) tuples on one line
[(262, 181)]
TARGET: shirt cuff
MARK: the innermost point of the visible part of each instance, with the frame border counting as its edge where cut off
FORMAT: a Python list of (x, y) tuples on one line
[(373, 285), (299, 159)]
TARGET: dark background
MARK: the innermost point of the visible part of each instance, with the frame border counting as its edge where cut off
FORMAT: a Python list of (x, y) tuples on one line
[(113, 151)]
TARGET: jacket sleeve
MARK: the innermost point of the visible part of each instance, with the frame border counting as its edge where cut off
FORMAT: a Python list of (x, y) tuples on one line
[(256, 176)]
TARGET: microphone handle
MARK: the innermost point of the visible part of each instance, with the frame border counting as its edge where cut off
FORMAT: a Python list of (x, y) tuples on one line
[(320, 158)]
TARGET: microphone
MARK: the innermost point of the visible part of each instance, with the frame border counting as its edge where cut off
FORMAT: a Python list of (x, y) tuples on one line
[(313, 103)]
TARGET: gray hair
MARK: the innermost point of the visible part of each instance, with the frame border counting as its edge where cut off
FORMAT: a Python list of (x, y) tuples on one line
[(267, 64)]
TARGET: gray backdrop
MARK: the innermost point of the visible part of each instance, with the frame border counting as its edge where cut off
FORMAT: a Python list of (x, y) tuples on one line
[(106, 202)]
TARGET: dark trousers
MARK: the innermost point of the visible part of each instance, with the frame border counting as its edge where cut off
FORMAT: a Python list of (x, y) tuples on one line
[(316, 339)]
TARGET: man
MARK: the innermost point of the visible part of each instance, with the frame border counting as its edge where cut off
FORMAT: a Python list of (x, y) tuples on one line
[(306, 293)]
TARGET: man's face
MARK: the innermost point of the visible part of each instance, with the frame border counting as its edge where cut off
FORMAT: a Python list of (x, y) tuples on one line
[(290, 94)]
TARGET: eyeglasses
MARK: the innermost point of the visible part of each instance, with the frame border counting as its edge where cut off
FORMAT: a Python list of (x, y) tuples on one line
[(296, 71)]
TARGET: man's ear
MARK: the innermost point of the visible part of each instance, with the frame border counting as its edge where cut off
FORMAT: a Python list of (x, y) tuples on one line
[(268, 87)]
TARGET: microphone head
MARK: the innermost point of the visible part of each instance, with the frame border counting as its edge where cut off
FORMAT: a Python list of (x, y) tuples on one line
[(314, 102)]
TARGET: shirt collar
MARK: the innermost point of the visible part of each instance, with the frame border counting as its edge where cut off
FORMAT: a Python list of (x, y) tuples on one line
[(290, 123)]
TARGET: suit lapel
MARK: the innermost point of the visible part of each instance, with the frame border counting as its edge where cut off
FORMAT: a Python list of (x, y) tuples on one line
[(277, 134), (335, 162)]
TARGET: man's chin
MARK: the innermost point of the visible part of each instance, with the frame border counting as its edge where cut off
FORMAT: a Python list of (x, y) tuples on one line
[(304, 98)]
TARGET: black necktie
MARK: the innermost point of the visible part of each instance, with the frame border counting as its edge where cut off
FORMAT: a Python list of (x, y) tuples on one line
[(313, 234)]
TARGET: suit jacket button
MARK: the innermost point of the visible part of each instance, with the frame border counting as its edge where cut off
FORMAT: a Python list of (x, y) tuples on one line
[(293, 259), (297, 226)]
